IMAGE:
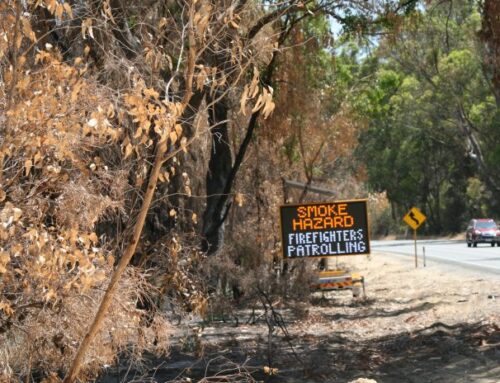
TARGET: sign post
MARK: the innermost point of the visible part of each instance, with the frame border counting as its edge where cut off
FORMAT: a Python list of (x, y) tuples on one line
[(324, 229), (415, 242), (414, 218)]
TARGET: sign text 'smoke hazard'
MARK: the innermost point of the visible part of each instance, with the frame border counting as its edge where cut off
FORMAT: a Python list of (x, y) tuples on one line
[(325, 229)]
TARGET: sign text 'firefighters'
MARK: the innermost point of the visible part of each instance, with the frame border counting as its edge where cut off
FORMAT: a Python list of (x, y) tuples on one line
[(325, 229)]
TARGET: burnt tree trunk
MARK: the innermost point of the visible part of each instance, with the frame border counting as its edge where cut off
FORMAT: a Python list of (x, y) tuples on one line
[(219, 169), (221, 172)]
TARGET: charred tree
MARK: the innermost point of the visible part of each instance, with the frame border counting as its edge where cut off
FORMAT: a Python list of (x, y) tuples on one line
[(219, 169)]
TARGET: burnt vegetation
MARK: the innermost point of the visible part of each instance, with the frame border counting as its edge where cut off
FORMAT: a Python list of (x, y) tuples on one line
[(144, 147)]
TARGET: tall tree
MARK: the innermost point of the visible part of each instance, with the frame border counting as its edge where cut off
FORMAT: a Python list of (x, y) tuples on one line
[(432, 114), (490, 34)]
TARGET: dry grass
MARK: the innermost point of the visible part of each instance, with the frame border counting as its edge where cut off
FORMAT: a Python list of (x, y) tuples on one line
[(44, 338)]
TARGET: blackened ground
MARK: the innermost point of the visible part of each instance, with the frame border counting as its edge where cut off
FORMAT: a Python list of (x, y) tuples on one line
[(438, 324)]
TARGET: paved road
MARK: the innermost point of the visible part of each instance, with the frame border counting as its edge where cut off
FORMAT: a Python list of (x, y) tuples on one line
[(483, 257)]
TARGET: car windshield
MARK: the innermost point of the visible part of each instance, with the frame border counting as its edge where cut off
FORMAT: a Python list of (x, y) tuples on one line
[(486, 225)]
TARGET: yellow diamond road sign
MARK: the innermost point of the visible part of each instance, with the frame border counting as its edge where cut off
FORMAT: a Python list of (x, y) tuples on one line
[(414, 218)]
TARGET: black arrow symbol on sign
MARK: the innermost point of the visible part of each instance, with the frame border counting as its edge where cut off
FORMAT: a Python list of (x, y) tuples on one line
[(412, 216)]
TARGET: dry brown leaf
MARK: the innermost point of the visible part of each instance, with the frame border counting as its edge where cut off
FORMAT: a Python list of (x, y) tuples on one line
[(258, 104), (243, 100), (128, 150), (173, 137), (178, 130), (254, 85), (107, 11), (27, 165), (239, 199), (67, 8)]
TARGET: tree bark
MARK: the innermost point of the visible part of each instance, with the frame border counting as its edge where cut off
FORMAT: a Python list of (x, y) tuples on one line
[(490, 34), (219, 169), (221, 175)]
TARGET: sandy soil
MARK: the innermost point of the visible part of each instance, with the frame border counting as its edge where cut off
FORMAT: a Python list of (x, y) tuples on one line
[(434, 324)]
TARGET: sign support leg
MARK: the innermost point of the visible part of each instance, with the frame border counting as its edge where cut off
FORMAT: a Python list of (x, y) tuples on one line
[(415, 241)]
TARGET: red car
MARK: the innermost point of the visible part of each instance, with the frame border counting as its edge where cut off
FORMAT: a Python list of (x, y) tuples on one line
[(483, 230)]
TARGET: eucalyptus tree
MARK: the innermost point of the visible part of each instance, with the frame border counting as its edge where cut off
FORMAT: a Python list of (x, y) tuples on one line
[(432, 115)]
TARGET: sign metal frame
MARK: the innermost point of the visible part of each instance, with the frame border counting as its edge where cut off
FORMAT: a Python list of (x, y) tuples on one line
[(364, 225)]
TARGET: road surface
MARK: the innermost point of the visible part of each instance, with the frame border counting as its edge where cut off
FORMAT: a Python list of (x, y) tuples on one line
[(483, 257)]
